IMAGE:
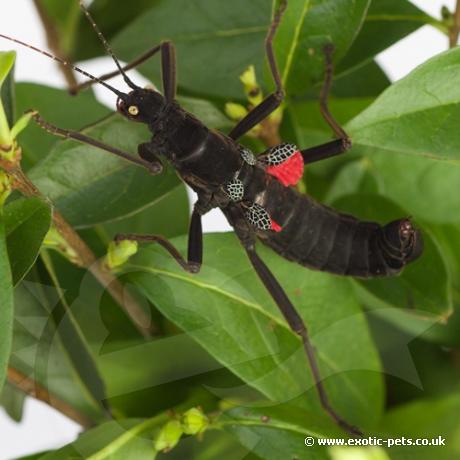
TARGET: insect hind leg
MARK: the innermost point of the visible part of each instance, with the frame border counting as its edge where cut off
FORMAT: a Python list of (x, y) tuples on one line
[(297, 325)]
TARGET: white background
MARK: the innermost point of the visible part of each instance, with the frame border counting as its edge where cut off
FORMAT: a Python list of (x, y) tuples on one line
[(42, 428)]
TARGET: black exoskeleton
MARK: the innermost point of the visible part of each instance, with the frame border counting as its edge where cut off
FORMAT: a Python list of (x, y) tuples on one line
[(254, 192)]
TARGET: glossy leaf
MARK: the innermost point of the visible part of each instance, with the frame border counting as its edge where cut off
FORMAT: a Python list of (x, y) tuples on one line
[(278, 432), (110, 20), (90, 186), (63, 19), (368, 80), (423, 286), (386, 22), (26, 223), (6, 304), (226, 309), (6, 65), (38, 352), (7, 89), (431, 419), (58, 107), (325, 22), (419, 170), (129, 439), (206, 31), (12, 401)]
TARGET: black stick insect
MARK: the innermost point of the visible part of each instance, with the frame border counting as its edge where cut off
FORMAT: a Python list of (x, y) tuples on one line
[(254, 193)]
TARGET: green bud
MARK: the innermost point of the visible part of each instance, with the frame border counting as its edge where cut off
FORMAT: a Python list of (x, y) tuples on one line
[(119, 253), (194, 421), (168, 437), (6, 181), (248, 78), (54, 240), (235, 111), (251, 88)]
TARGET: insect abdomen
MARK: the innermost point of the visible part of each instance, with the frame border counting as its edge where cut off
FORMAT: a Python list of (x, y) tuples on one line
[(319, 237)]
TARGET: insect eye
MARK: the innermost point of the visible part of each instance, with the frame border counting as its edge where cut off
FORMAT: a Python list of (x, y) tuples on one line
[(133, 110)]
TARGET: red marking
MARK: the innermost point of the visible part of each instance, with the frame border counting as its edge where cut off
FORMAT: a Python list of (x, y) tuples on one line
[(290, 171), (276, 227)]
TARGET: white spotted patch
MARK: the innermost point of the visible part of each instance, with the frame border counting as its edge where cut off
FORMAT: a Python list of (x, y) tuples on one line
[(258, 217), (234, 189), (280, 154), (247, 156)]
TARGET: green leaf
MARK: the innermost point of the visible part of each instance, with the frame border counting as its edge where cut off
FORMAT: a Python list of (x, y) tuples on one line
[(26, 223), (129, 439), (57, 107), (7, 94), (6, 304), (72, 338), (110, 20), (12, 400), (6, 64), (368, 80), (424, 285), (227, 36), (278, 432), (7, 59), (230, 36), (169, 217), (386, 22), (429, 419), (412, 163), (227, 310), (63, 18), (90, 186), (307, 29), (309, 125), (38, 352)]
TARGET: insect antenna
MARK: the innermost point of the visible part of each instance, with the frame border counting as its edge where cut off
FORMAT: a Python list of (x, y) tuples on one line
[(106, 45), (63, 62)]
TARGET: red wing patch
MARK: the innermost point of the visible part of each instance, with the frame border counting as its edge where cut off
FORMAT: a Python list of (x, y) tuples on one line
[(290, 171), (275, 226)]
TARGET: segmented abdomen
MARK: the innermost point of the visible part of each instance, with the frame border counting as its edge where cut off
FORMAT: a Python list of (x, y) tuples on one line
[(319, 237)]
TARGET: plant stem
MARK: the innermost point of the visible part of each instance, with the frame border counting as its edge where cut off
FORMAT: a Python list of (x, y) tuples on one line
[(454, 30), (87, 259), (52, 37), (34, 389)]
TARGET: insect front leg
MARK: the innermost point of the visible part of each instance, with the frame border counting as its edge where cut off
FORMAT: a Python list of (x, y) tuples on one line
[(195, 242), (153, 168), (273, 101)]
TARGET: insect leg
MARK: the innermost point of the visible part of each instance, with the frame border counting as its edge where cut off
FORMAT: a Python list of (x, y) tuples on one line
[(343, 143), (168, 70), (297, 325), (323, 151), (195, 244), (324, 96), (154, 168), (271, 102)]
